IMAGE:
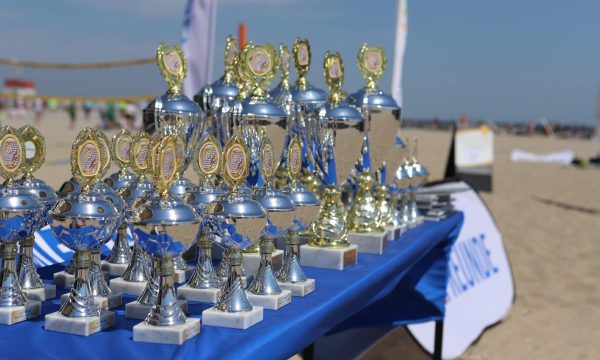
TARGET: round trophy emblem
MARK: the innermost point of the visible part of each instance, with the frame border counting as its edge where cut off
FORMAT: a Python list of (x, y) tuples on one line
[(294, 158), (172, 62), (88, 159), (335, 69), (104, 151), (302, 54), (141, 154), (122, 147), (30, 150), (209, 158), (11, 153), (267, 161), (259, 62), (34, 146), (373, 61), (236, 162), (168, 162)]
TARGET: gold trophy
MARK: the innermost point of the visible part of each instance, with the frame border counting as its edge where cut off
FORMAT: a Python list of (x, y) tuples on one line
[(340, 139)]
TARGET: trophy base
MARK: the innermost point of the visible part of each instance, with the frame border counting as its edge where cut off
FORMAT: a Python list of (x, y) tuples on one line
[(41, 294), (113, 269), (135, 310), (174, 334), (270, 302), (301, 289), (252, 261), (186, 292), (83, 326), (370, 242), (15, 314), (111, 301), (395, 232), (182, 275), (245, 280), (64, 279), (119, 285), (328, 258), (236, 320)]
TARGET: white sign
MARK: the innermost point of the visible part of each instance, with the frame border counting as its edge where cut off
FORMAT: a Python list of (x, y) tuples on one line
[(480, 287), (474, 147)]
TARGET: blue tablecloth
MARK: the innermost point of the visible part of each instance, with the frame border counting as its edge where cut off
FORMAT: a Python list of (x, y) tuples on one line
[(406, 284)]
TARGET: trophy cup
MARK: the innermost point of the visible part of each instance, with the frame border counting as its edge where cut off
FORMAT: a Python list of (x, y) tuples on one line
[(120, 255), (175, 114), (20, 214), (103, 295), (165, 226), (204, 285), (238, 220), (83, 222), (307, 101), (35, 153), (134, 279), (291, 276), (213, 97), (418, 178), (341, 137), (382, 114)]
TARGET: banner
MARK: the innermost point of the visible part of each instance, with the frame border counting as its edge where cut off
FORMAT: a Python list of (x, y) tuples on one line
[(401, 31), (480, 288), (474, 147), (198, 43)]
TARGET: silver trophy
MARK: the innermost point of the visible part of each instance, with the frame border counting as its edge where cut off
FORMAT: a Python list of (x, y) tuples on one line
[(165, 227), (35, 152), (239, 221), (20, 215), (83, 222)]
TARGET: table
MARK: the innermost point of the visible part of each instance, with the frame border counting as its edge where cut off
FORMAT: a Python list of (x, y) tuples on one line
[(407, 284)]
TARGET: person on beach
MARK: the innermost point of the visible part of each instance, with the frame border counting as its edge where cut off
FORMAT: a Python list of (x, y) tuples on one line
[(72, 114)]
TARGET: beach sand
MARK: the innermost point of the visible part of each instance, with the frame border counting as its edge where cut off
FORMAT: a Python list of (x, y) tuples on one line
[(549, 217)]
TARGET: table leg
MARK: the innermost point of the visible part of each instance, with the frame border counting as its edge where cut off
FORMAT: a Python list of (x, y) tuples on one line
[(309, 352), (438, 341)]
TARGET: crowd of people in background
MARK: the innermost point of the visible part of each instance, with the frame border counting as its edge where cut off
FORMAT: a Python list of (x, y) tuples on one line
[(113, 115)]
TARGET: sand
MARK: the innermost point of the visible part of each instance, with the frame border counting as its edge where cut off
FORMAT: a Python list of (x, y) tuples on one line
[(554, 248)]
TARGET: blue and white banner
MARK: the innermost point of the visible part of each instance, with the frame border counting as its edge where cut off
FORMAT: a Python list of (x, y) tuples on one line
[(480, 288)]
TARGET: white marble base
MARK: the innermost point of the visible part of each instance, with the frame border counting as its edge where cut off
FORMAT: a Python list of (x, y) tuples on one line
[(175, 334), (270, 302), (252, 261), (371, 242), (135, 288), (182, 275), (237, 320), (112, 301), (135, 310), (395, 232), (41, 294), (300, 288), (84, 326), (186, 292), (113, 269), (328, 258), (14, 314), (64, 279), (246, 280)]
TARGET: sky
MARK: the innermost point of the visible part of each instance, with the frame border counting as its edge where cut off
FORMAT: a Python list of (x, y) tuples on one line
[(512, 60)]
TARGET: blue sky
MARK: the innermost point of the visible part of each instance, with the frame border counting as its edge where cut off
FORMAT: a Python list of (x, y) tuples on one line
[(495, 60)]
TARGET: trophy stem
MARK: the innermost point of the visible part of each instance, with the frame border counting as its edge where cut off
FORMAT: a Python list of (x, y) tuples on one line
[(98, 285), (137, 271), (330, 228), (291, 271), (179, 262), (80, 302), (234, 297), (28, 276), (384, 205), (10, 292), (414, 210), (150, 293), (405, 208), (364, 215), (166, 311), (120, 253), (264, 282), (204, 276)]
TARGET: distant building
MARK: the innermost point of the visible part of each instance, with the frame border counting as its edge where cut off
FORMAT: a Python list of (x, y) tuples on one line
[(19, 87)]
